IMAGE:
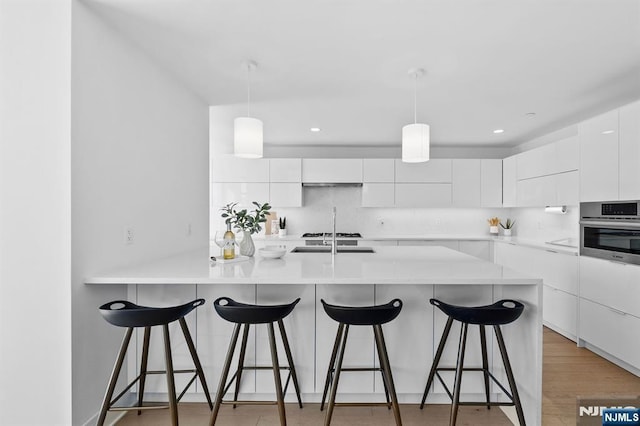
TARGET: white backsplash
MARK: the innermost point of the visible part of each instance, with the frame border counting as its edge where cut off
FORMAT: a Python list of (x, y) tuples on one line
[(315, 216), (534, 223)]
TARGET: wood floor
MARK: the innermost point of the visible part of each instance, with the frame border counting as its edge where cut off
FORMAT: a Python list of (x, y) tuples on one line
[(568, 372)]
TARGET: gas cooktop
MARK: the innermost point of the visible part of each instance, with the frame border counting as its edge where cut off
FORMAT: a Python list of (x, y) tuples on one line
[(330, 234)]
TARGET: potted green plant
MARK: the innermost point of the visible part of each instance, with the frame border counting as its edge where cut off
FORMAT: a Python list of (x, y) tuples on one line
[(248, 222), (282, 226), (507, 227)]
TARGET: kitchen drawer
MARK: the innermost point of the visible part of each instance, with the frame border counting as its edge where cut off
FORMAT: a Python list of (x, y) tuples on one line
[(560, 310), (452, 244), (559, 270), (611, 331), (613, 284), (423, 194)]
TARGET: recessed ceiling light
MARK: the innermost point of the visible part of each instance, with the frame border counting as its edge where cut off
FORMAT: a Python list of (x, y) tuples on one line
[(315, 129), (498, 131), (607, 132), (530, 114)]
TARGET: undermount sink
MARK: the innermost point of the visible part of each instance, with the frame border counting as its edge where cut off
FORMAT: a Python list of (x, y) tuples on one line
[(327, 249)]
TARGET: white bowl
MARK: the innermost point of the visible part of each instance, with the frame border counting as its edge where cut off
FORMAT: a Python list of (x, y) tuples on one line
[(272, 252)]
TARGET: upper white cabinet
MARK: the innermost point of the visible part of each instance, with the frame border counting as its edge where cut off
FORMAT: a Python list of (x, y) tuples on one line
[(630, 152), (432, 171), (333, 170), (599, 158), (509, 181), (466, 183), (285, 170), (536, 162), (378, 170), (285, 194), (423, 194), (378, 194), (491, 183), (228, 168), (243, 193), (566, 157)]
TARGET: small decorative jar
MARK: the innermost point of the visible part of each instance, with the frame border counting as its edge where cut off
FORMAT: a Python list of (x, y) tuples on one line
[(493, 230)]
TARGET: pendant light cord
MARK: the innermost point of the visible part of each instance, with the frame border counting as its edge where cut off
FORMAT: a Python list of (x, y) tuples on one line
[(248, 91), (415, 99)]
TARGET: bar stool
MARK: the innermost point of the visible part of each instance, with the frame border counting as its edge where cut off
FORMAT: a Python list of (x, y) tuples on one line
[(247, 315), (366, 315), (126, 314), (500, 313)]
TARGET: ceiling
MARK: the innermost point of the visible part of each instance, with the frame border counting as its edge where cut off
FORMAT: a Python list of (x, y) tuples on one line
[(341, 65)]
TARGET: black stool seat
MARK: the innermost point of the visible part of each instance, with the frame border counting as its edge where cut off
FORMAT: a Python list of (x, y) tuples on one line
[(373, 316), (122, 313), (364, 315), (243, 313), (499, 313)]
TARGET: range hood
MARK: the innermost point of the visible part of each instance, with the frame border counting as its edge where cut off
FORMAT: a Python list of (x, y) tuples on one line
[(330, 184)]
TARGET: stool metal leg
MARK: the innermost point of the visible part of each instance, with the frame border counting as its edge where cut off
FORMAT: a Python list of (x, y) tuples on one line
[(384, 377), (485, 363), (436, 359), (386, 367), (196, 360), (225, 372), (292, 368), (243, 351), (173, 404), (332, 362), (143, 365), (336, 376), (458, 379), (106, 402), (276, 375), (509, 372)]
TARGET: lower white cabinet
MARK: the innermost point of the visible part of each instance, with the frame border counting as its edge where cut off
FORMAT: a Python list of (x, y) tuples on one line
[(560, 311), (559, 272), (378, 195), (610, 330), (480, 249), (612, 284), (452, 244)]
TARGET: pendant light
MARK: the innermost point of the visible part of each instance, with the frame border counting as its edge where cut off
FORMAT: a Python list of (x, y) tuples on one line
[(247, 131), (415, 137)]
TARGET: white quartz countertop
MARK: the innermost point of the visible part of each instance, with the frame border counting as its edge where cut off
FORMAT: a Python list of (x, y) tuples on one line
[(388, 265)]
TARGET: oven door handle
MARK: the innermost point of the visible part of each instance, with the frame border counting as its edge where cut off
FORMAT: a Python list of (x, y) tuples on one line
[(613, 225)]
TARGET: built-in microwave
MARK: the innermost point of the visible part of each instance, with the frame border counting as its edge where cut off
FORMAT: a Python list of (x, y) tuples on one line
[(611, 230)]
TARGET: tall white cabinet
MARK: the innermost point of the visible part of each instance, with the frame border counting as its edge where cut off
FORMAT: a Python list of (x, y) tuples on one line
[(599, 153)]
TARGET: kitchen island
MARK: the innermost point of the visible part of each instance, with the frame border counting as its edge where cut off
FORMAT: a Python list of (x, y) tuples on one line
[(413, 274)]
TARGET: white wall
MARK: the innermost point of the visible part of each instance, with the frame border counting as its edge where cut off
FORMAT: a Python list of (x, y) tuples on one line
[(35, 212), (140, 160)]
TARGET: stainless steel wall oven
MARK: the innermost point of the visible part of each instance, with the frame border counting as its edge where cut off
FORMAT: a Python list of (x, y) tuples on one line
[(610, 230)]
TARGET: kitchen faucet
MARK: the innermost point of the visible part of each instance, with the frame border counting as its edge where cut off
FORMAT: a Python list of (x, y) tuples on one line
[(334, 249)]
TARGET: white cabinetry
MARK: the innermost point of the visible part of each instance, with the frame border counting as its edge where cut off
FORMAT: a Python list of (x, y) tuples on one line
[(285, 182), (561, 188), (630, 152), (433, 171), (509, 181), (423, 194), (378, 189), (228, 168), (242, 193), (285, 170), (559, 272), (333, 170), (536, 162), (480, 249), (599, 158), (491, 183), (466, 183)]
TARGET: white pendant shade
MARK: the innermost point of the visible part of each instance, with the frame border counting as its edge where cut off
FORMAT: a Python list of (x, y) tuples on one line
[(247, 137), (415, 143)]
